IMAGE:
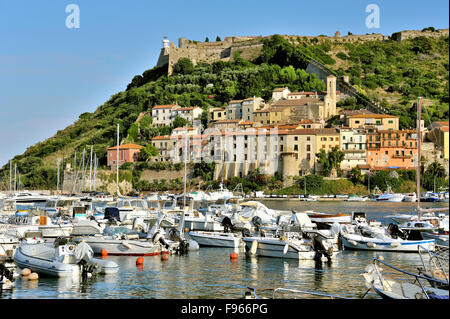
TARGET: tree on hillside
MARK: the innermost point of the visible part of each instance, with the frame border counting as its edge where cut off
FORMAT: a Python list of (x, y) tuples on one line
[(330, 161), (434, 177), (356, 176), (183, 66), (218, 38), (148, 152), (207, 39), (180, 122), (133, 133)]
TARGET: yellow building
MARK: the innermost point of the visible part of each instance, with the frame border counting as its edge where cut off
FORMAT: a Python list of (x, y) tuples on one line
[(327, 138), (438, 134), (380, 121), (272, 115), (217, 114)]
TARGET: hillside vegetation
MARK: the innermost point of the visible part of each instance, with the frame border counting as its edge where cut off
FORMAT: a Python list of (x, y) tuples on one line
[(393, 72)]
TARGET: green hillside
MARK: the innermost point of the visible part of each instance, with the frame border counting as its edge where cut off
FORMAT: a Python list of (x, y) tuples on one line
[(393, 72)]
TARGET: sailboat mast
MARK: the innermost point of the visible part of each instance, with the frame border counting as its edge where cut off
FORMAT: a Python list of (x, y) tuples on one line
[(117, 166), (419, 145), (10, 176), (57, 174), (90, 170), (185, 158), (15, 173)]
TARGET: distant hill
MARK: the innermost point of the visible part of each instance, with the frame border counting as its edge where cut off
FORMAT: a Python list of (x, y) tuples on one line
[(392, 72)]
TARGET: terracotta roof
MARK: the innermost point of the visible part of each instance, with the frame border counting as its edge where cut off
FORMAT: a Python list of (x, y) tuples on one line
[(372, 116), (302, 93), (168, 106), (444, 128), (226, 121), (126, 147), (247, 123), (162, 137), (327, 131), (441, 123), (280, 89), (187, 108), (235, 101)]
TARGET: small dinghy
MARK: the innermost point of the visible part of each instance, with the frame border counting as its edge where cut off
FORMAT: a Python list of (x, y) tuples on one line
[(390, 240), (62, 259), (402, 284)]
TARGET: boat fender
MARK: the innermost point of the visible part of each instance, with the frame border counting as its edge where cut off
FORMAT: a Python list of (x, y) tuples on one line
[(354, 243), (395, 244), (285, 250), (254, 247), (371, 245)]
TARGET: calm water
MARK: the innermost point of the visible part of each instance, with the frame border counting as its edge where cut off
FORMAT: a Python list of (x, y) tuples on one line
[(209, 272)]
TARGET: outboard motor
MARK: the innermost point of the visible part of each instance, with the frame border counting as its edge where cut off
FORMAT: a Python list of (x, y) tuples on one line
[(6, 273), (175, 235), (112, 214), (245, 232), (321, 248), (395, 232), (257, 222), (227, 225), (83, 253)]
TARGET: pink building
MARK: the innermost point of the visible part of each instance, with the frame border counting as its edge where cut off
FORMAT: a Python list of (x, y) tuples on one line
[(127, 153)]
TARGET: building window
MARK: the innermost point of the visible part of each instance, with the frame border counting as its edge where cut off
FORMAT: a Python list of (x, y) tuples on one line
[(308, 148), (308, 138), (308, 156), (295, 147)]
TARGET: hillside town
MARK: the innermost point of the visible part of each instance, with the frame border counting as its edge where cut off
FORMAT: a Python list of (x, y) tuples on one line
[(289, 130)]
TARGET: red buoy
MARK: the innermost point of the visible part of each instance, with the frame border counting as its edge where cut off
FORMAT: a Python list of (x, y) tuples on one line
[(139, 261), (104, 253), (164, 255), (233, 256)]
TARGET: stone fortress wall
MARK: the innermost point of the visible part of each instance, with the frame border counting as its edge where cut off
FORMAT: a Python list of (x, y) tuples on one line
[(250, 47)]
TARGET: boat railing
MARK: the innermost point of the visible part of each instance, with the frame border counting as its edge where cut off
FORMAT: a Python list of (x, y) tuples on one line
[(418, 279), (279, 290), (437, 264)]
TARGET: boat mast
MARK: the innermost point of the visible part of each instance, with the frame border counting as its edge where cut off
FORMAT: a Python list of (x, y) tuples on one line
[(62, 179), (419, 140), (10, 176), (117, 164), (15, 173), (57, 174), (95, 169), (185, 158), (75, 172), (90, 170)]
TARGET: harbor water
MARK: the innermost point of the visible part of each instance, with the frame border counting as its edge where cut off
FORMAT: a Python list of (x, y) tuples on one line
[(210, 273)]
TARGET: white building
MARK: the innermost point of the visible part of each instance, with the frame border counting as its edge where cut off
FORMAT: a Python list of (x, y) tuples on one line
[(353, 144), (188, 113), (162, 114)]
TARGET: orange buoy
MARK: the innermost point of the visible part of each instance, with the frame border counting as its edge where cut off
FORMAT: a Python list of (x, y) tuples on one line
[(104, 253), (233, 256), (187, 230), (139, 261), (164, 256)]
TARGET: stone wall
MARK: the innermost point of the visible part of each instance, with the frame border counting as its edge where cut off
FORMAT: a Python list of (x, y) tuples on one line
[(409, 34)]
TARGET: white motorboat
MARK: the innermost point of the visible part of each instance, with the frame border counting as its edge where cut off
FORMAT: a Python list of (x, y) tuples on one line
[(329, 218), (291, 245), (121, 245), (410, 197), (202, 222), (389, 196), (216, 239), (444, 197), (63, 260), (368, 238), (221, 193), (8, 246), (356, 198)]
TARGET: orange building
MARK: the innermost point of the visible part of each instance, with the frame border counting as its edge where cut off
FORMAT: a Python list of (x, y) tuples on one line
[(127, 153), (391, 148)]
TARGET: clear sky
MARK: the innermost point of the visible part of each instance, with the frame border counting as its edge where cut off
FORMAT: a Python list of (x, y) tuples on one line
[(50, 74)]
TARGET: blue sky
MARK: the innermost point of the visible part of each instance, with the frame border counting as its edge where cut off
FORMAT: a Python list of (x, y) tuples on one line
[(50, 74)]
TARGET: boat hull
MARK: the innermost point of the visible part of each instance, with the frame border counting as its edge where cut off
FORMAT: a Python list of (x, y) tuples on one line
[(272, 247), (356, 242), (225, 240), (119, 247), (54, 268)]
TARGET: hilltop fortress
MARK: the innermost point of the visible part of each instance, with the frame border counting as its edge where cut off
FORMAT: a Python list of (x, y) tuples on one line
[(250, 47)]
